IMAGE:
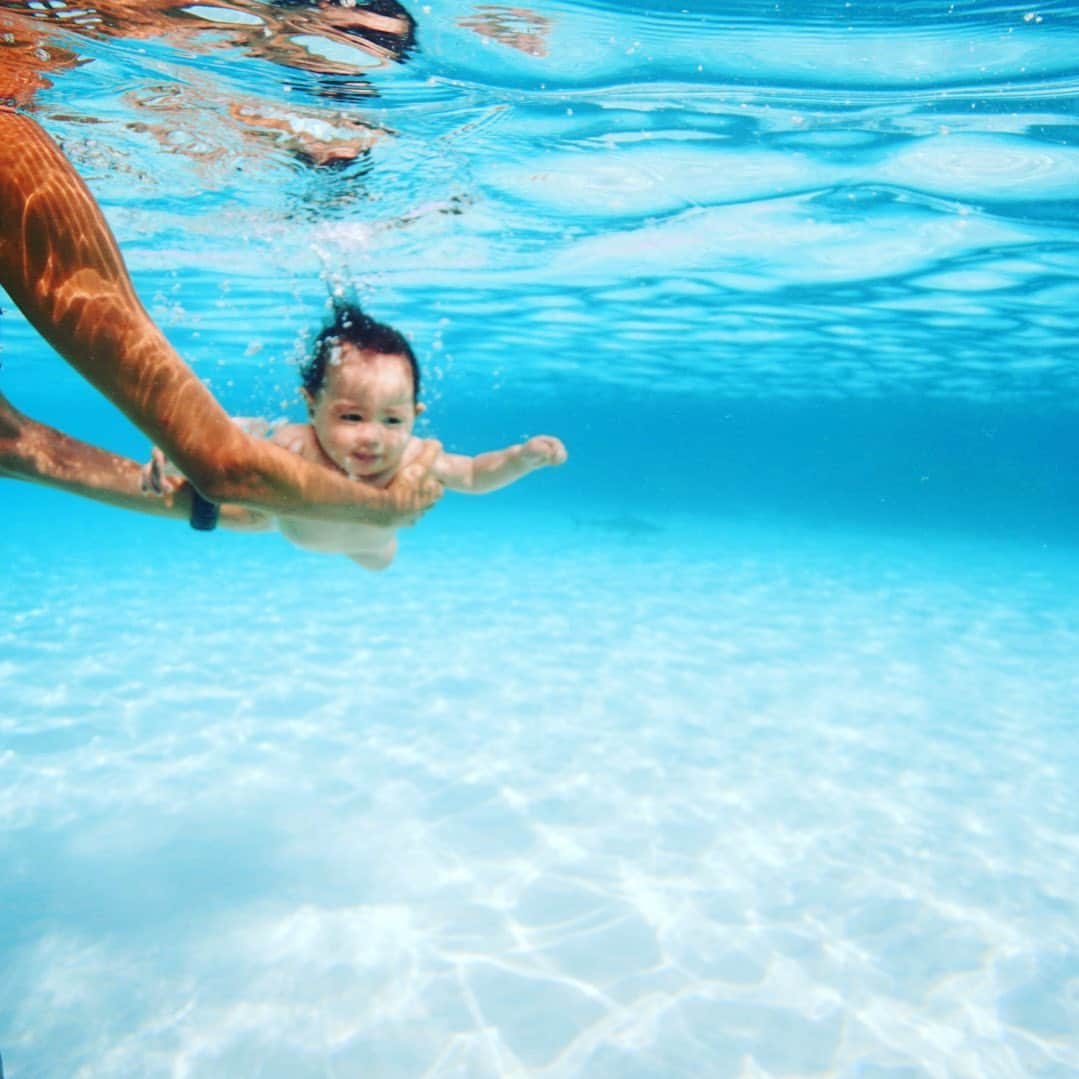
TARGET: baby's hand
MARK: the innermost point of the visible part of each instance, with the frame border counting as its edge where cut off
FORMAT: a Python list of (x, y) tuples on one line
[(159, 476), (543, 450)]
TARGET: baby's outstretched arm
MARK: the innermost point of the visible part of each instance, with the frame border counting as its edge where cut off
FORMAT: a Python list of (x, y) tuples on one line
[(490, 471)]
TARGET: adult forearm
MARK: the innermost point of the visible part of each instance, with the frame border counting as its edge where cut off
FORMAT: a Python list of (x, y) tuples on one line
[(34, 453), (253, 472)]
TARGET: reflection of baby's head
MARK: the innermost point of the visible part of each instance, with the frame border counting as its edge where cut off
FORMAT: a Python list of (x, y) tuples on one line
[(384, 25), (350, 325)]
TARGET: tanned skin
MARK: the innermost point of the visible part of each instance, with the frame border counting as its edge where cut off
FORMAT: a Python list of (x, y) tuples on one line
[(38, 454)]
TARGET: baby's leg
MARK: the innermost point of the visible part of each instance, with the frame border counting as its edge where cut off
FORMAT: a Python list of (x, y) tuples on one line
[(376, 560)]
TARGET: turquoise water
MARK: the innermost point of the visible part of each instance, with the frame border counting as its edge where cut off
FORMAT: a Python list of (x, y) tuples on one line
[(742, 745)]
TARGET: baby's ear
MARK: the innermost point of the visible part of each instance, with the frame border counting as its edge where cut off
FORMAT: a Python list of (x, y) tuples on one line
[(308, 400), (420, 407)]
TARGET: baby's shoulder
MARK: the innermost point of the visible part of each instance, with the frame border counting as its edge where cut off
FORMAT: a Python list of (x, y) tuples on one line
[(295, 437)]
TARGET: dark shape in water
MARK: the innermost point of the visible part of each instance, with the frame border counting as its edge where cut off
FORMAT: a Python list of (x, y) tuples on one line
[(625, 525)]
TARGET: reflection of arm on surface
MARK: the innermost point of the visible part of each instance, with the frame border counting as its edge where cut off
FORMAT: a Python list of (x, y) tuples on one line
[(384, 29), (313, 138), (26, 56), (518, 27)]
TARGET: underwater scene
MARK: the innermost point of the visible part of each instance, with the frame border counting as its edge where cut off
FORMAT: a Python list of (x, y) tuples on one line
[(738, 745)]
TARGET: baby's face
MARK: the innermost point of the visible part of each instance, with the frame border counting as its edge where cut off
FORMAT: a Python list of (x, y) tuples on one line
[(364, 414)]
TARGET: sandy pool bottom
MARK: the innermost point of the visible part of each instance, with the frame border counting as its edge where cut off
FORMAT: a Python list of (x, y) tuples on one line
[(595, 804)]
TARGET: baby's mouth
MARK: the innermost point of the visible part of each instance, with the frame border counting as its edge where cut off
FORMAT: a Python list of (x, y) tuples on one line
[(360, 465)]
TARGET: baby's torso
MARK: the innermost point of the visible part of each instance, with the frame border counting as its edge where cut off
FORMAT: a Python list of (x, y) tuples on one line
[(330, 537), (334, 537)]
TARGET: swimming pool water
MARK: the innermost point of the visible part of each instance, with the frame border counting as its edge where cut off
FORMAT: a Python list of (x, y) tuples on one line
[(594, 800), (743, 745)]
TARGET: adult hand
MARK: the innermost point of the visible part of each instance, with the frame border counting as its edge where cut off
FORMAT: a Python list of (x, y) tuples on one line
[(158, 476), (414, 490)]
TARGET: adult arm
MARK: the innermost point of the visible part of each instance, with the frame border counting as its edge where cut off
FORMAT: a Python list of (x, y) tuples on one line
[(60, 264), (35, 453)]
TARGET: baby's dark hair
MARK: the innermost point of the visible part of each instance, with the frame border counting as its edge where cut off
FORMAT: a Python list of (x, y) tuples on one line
[(349, 324)]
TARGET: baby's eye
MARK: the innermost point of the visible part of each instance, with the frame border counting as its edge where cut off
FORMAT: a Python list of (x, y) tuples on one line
[(352, 417), (393, 421)]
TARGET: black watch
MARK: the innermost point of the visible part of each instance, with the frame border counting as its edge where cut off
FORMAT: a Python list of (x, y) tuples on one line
[(204, 513)]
